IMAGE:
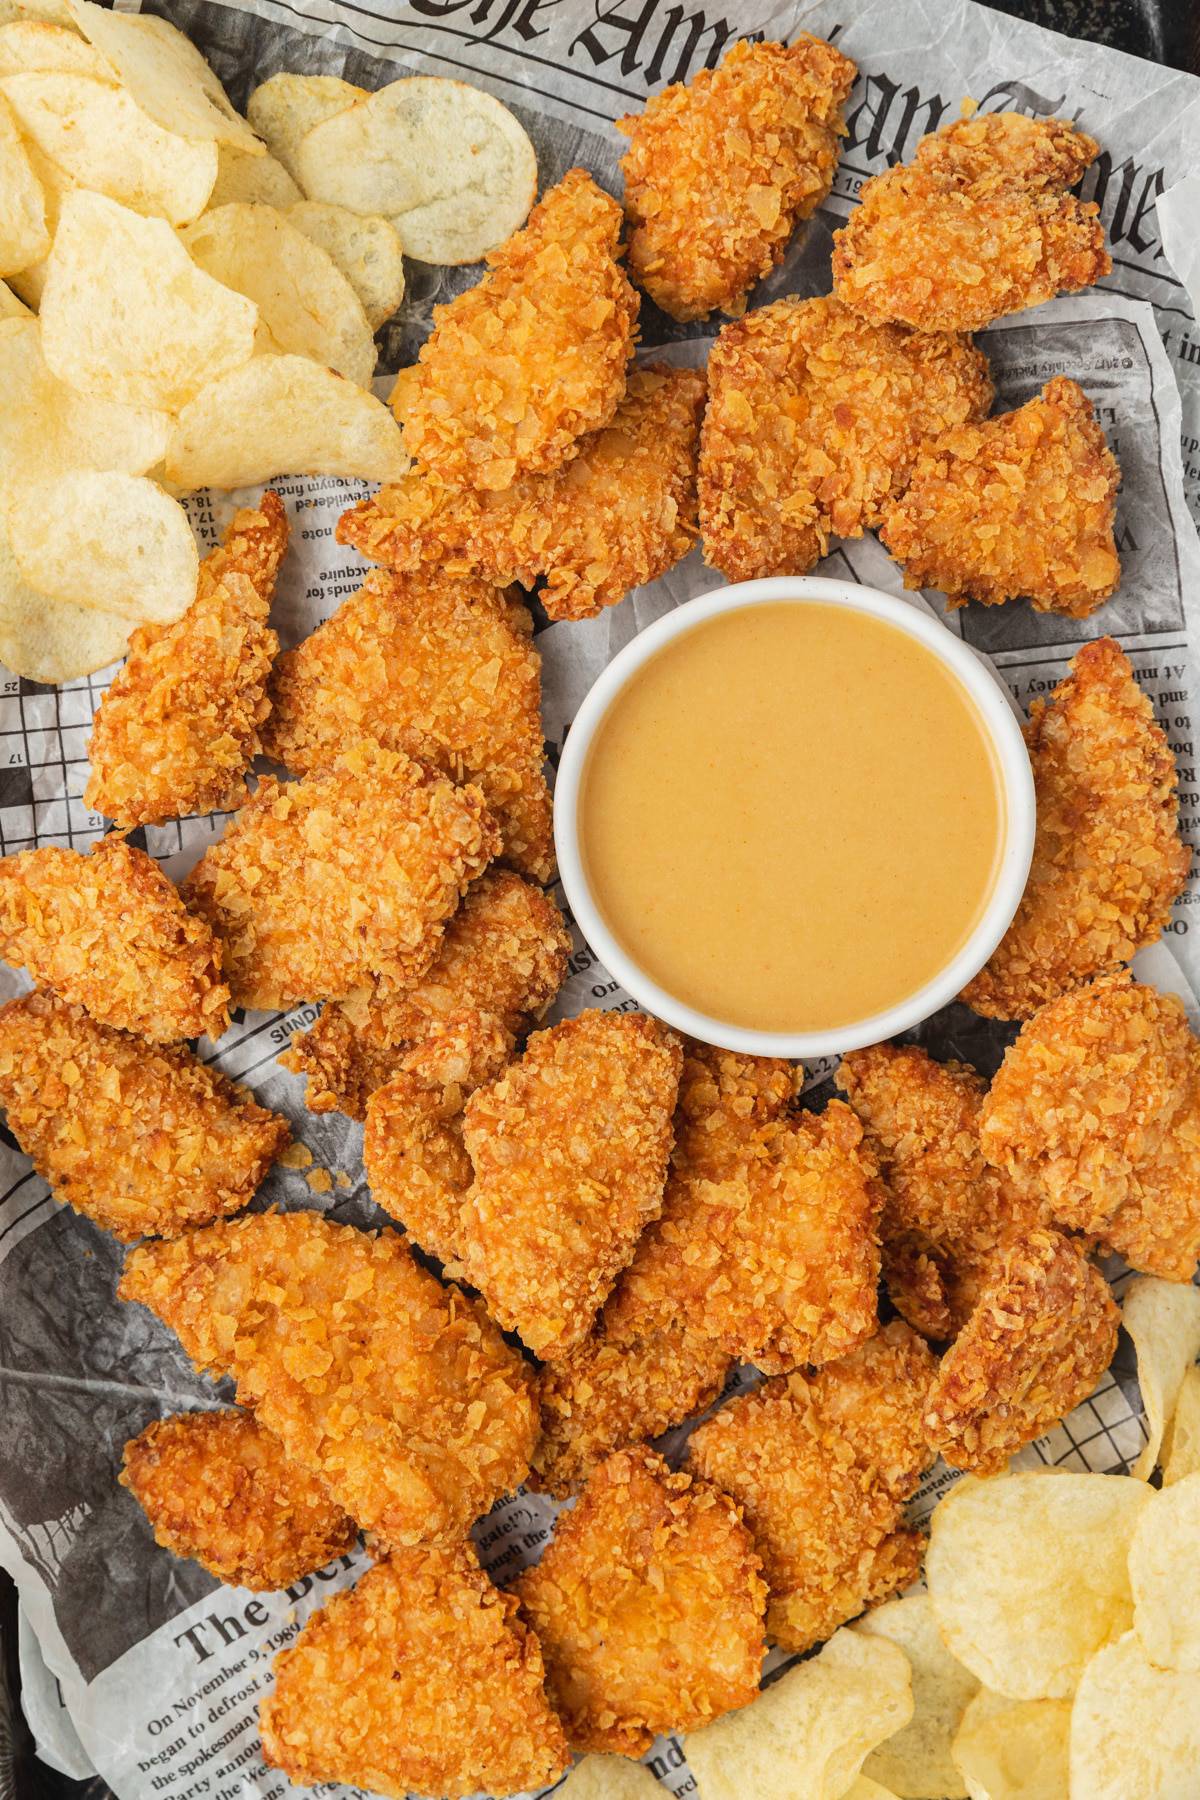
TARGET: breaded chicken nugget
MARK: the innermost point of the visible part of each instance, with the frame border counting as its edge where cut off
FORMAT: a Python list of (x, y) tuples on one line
[(396, 1392), (518, 368), (219, 1489), (720, 170), (1042, 1334), (1108, 860), (620, 513), (179, 727), (822, 1463), (947, 1213), (320, 885), (814, 421), (144, 1139), (108, 931), (1022, 504), (977, 226), (649, 1604), (444, 670), (570, 1152), (421, 1678), (1097, 1106)]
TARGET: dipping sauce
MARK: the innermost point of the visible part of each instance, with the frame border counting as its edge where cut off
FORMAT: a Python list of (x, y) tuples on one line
[(791, 817)]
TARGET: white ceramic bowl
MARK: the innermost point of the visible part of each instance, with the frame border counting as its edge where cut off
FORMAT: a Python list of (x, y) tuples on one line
[(999, 721)]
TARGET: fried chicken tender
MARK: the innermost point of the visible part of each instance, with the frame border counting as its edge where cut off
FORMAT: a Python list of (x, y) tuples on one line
[(814, 421), (1108, 859), (620, 513), (649, 1604), (1022, 504), (321, 885), (822, 1462), (977, 226), (108, 931), (1097, 1107), (720, 170), (397, 1393), (570, 1151), (947, 1213), (422, 1677), (179, 727), (223, 1492), (144, 1139), (1042, 1334), (518, 368)]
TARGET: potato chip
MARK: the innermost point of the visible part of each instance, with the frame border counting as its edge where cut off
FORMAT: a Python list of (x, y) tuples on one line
[(127, 314), (40, 44), (29, 283), (866, 1789), (24, 237), (47, 427), (1135, 1729), (51, 640), (610, 1778), (287, 106), (105, 539), (1163, 1319), (916, 1762), (10, 306), (56, 12), (1014, 1749), (1029, 1575), (1164, 1570), (257, 179), (1181, 1446), (807, 1735), (165, 74), (366, 250)]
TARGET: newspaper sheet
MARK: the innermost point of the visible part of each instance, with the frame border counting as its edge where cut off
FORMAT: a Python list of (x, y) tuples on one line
[(144, 1666)]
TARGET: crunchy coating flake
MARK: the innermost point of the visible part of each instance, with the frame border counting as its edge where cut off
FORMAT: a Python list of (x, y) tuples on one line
[(1097, 1106), (720, 170), (396, 1392), (444, 670), (179, 727), (1042, 1334), (519, 367), (221, 1490), (108, 931), (1020, 505), (422, 1677), (814, 421), (648, 1603), (620, 513), (145, 1139), (1108, 859), (320, 885), (977, 226), (822, 1463)]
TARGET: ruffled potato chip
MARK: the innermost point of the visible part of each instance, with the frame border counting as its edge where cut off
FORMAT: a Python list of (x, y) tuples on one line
[(1164, 1570), (165, 74), (1163, 1319), (1181, 1445), (287, 106), (366, 250), (50, 641), (917, 1762), (104, 539), (1135, 1729), (24, 235), (40, 44), (1014, 1749), (255, 179), (610, 1778)]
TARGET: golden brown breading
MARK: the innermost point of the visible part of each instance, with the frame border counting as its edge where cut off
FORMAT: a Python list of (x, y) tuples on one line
[(947, 1213), (398, 1393), (1108, 860), (320, 885), (620, 513), (1042, 1334), (648, 1603), (979, 225), (423, 1677), (219, 1489), (1097, 1106), (444, 670), (823, 1462), (179, 727), (570, 1152), (720, 170), (814, 421), (519, 367), (145, 1139), (107, 930)]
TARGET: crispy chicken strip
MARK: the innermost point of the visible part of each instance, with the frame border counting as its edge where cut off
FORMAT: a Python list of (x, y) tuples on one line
[(979, 225), (518, 368), (179, 727), (219, 1489), (720, 170), (397, 1393), (620, 513), (649, 1604), (1108, 859), (814, 421), (423, 1677), (823, 1462), (142, 1138)]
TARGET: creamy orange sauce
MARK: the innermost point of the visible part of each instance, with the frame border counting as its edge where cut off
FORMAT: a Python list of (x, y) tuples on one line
[(791, 817)]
